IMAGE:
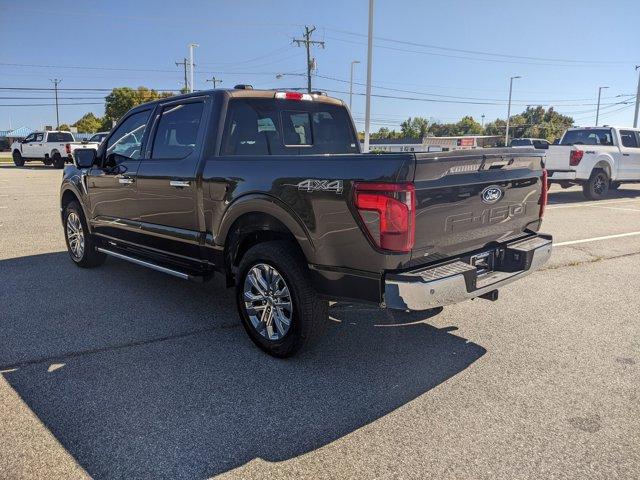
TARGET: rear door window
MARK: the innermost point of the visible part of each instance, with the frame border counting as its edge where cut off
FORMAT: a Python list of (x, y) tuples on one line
[(629, 138), (284, 127)]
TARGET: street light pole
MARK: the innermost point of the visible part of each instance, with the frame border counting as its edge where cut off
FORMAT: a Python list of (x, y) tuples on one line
[(635, 115), (367, 111), (506, 135), (351, 83), (598, 108), (191, 81)]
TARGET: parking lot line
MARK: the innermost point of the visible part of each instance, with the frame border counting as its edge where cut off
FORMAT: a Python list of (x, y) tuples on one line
[(622, 208), (595, 239)]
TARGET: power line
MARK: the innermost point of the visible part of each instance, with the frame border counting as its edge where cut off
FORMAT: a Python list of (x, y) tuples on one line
[(45, 104), (307, 42)]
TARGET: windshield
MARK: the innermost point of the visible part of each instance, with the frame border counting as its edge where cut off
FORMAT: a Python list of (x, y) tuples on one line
[(588, 136)]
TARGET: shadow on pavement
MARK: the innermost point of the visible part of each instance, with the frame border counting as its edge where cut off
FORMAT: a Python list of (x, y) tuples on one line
[(142, 375), (573, 195)]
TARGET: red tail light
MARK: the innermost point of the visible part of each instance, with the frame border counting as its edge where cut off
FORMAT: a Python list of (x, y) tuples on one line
[(68, 148), (544, 192), (293, 96), (575, 157), (392, 223)]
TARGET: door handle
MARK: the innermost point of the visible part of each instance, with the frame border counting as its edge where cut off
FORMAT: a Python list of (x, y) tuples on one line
[(179, 183), (125, 181), (625, 154)]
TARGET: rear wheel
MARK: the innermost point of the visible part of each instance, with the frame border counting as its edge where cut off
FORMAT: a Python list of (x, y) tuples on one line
[(278, 306), (18, 159), (47, 161), (58, 161), (80, 243), (597, 186)]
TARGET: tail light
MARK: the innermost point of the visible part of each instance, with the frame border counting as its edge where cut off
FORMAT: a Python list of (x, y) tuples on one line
[(68, 148), (544, 191), (575, 157), (293, 96), (389, 213)]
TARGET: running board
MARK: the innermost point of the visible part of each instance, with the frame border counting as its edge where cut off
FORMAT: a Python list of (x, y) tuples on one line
[(153, 266)]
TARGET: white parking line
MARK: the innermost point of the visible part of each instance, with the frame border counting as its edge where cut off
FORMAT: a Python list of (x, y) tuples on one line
[(595, 239), (622, 208)]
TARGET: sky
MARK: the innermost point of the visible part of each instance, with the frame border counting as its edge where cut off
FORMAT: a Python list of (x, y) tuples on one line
[(436, 59)]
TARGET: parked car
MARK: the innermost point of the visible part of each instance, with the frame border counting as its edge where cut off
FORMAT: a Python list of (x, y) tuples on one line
[(98, 138), (598, 158), (270, 189), (50, 147), (539, 143)]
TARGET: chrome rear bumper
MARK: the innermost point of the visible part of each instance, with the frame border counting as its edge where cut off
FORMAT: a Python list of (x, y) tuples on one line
[(457, 281)]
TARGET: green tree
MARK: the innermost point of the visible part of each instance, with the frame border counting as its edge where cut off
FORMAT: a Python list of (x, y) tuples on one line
[(64, 127), (89, 123), (416, 127), (121, 100), (468, 126)]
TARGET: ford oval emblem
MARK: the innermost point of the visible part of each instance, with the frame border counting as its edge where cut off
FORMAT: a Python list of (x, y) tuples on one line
[(491, 194)]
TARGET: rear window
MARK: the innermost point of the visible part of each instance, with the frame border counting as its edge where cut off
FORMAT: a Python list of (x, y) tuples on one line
[(286, 127), (520, 142), (589, 136), (60, 137)]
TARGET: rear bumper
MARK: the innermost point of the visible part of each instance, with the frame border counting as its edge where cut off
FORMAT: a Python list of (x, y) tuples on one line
[(457, 281), (561, 175)]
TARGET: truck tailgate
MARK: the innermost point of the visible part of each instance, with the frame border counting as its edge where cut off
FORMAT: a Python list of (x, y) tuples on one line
[(557, 157), (468, 200)]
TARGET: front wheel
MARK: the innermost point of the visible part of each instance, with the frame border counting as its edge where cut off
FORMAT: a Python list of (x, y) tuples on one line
[(18, 159), (80, 243), (278, 306), (597, 187)]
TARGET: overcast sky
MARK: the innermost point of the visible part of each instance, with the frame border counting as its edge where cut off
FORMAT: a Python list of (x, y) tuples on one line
[(445, 59)]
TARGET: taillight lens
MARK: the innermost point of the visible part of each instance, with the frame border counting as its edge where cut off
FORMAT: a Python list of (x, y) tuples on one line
[(388, 211), (575, 157), (544, 192), (68, 148)]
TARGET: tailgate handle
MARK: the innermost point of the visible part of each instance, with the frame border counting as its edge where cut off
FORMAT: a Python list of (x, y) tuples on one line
[(497, 165)]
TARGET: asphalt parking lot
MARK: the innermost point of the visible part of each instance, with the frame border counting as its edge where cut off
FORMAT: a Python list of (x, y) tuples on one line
[(123, 372)]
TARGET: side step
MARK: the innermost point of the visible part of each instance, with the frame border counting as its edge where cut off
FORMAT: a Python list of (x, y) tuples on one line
[(153, 266)]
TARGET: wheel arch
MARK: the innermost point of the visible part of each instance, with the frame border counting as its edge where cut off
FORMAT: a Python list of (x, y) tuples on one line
[(606, 163), (69, 194)]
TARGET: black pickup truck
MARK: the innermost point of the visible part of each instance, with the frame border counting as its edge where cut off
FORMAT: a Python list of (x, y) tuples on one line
[(270, 189)]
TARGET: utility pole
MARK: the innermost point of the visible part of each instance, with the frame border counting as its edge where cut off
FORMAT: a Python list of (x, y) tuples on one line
[(506, 135), (351, 83), (213, 80), (192, 85), (482, 117), (56, 81), (184, 63), (367, 108), (635, 115), (598, 108), (307, 43)]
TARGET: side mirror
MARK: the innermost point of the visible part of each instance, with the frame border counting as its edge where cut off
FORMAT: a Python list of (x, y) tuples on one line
[(84, 157)]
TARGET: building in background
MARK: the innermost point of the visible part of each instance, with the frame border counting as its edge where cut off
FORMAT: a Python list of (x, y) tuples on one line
[(7, 137), (463, 142)]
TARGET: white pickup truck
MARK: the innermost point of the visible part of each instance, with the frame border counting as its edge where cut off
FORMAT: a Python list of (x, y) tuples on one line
[(52, 148), (598, 158)]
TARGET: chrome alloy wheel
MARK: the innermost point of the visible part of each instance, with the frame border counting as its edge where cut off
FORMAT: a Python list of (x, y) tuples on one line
[(599, 183), (75, 235), (267, 301)]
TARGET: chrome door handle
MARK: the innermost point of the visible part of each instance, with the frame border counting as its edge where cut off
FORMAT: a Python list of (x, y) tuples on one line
[(125, 181), (179, 183)]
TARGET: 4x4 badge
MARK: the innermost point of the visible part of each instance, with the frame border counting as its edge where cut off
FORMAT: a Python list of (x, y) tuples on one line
[(312, 185)]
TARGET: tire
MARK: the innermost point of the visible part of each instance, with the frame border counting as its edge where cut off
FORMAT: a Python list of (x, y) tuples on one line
[(597, 187), (58, 160), (47, 161), (614, 185), (18, 159), (299, 303), (75, 230)]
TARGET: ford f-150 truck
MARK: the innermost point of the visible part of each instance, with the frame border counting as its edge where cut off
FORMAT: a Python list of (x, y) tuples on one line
[(598, 158), (50, 147), (270, 189)]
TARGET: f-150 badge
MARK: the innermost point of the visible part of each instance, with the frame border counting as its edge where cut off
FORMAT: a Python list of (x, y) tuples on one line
[(312, 185)]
